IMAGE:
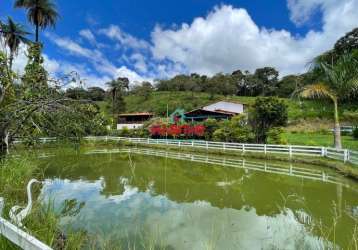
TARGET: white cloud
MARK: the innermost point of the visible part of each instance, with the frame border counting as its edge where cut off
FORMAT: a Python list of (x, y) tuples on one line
[(133, 77), (86, 33), (139, 62), (125, 40), (228, 39)]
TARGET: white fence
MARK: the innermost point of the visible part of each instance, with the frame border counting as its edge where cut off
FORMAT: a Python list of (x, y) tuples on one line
[(305, 173), (18, 236), (344, 155)]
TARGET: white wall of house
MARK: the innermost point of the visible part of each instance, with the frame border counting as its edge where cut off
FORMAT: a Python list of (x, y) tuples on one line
[(226, 106), (129, 126)]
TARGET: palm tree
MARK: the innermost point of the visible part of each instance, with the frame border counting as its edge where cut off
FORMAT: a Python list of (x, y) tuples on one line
[(14, 34), (117, 88), (340, 82), (41, 13)]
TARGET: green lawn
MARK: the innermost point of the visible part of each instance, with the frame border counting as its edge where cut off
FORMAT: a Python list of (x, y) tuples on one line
[(316, 139)]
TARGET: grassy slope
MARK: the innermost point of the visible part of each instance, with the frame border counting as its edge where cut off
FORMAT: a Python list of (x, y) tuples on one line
[(158, 101), (317, 139), (318, 115)]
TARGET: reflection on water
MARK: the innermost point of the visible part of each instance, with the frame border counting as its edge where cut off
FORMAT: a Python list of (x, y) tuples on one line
[(193, 201)]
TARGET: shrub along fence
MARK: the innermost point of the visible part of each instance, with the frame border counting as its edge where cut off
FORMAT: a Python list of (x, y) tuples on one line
[(344, 155)]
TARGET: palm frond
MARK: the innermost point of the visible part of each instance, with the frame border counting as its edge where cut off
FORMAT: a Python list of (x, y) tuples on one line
[(318, 90)]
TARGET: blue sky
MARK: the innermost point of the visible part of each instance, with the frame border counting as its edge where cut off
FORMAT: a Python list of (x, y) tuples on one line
[(146, 40)]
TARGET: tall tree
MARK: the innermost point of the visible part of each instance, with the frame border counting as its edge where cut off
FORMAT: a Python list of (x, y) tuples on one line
[(340, 82), (41, 13), (14, 34), (117, 89), (268, 78), (267, 113), (347, 43)]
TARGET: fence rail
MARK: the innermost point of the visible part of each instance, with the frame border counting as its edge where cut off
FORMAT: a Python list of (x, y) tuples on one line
[(305, 173), (344, 155), (17, 236)]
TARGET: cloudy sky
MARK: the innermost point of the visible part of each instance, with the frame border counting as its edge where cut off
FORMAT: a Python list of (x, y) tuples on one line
[(146, 40)]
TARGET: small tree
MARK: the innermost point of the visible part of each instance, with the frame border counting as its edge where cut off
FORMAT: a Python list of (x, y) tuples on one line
[(267, 112), (340, 82)]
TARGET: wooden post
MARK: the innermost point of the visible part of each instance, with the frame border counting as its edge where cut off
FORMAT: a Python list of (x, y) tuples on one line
[(290, 149), (265, 149)]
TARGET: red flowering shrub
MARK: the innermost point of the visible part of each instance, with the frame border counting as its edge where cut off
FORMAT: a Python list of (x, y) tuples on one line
[(176, 131), (154, 130), (163, 130), (199, 130)]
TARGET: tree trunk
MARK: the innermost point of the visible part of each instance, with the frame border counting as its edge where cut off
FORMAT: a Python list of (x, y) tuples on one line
[(337, 127), (4, 142), (11, 59), (37, 33)]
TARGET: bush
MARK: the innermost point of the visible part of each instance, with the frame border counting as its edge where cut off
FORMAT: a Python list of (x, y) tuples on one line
[(275, 136), (234, 130), (267, 113), (355, 133)]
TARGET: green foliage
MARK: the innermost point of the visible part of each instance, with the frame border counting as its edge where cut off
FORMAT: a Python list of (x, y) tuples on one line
[(266, 113), (92, 93), (211, 125), (35, 78), (117, 90), (144, 90), (234, 130), (7, 92), (14, 34), (355, 133), (41, 13), (276, 136), (347, 43)]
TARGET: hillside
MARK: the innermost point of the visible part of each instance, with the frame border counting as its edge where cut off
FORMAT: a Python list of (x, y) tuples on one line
[(158, 101)]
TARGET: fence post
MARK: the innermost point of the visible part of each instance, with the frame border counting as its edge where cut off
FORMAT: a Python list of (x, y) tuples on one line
[(179, 143), (265, 149), (345, 159), (224, 146), (290, 149), (207, 145), (192, 144), (323, 153), (243, 148)]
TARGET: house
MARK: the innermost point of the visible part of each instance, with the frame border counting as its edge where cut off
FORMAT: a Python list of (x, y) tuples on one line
[(219, 111), (133, 120)]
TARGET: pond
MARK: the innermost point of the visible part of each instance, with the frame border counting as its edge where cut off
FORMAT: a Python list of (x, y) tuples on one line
[(153, 199)]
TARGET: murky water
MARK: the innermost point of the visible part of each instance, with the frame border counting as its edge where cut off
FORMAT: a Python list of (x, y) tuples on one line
[(152, 199)]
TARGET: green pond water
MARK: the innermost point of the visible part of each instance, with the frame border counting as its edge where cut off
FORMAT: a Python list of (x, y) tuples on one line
[(155, 199)]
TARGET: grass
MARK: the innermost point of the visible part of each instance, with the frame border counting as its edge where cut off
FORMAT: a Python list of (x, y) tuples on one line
[(318, 139), (158, 102), (42, 223)]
